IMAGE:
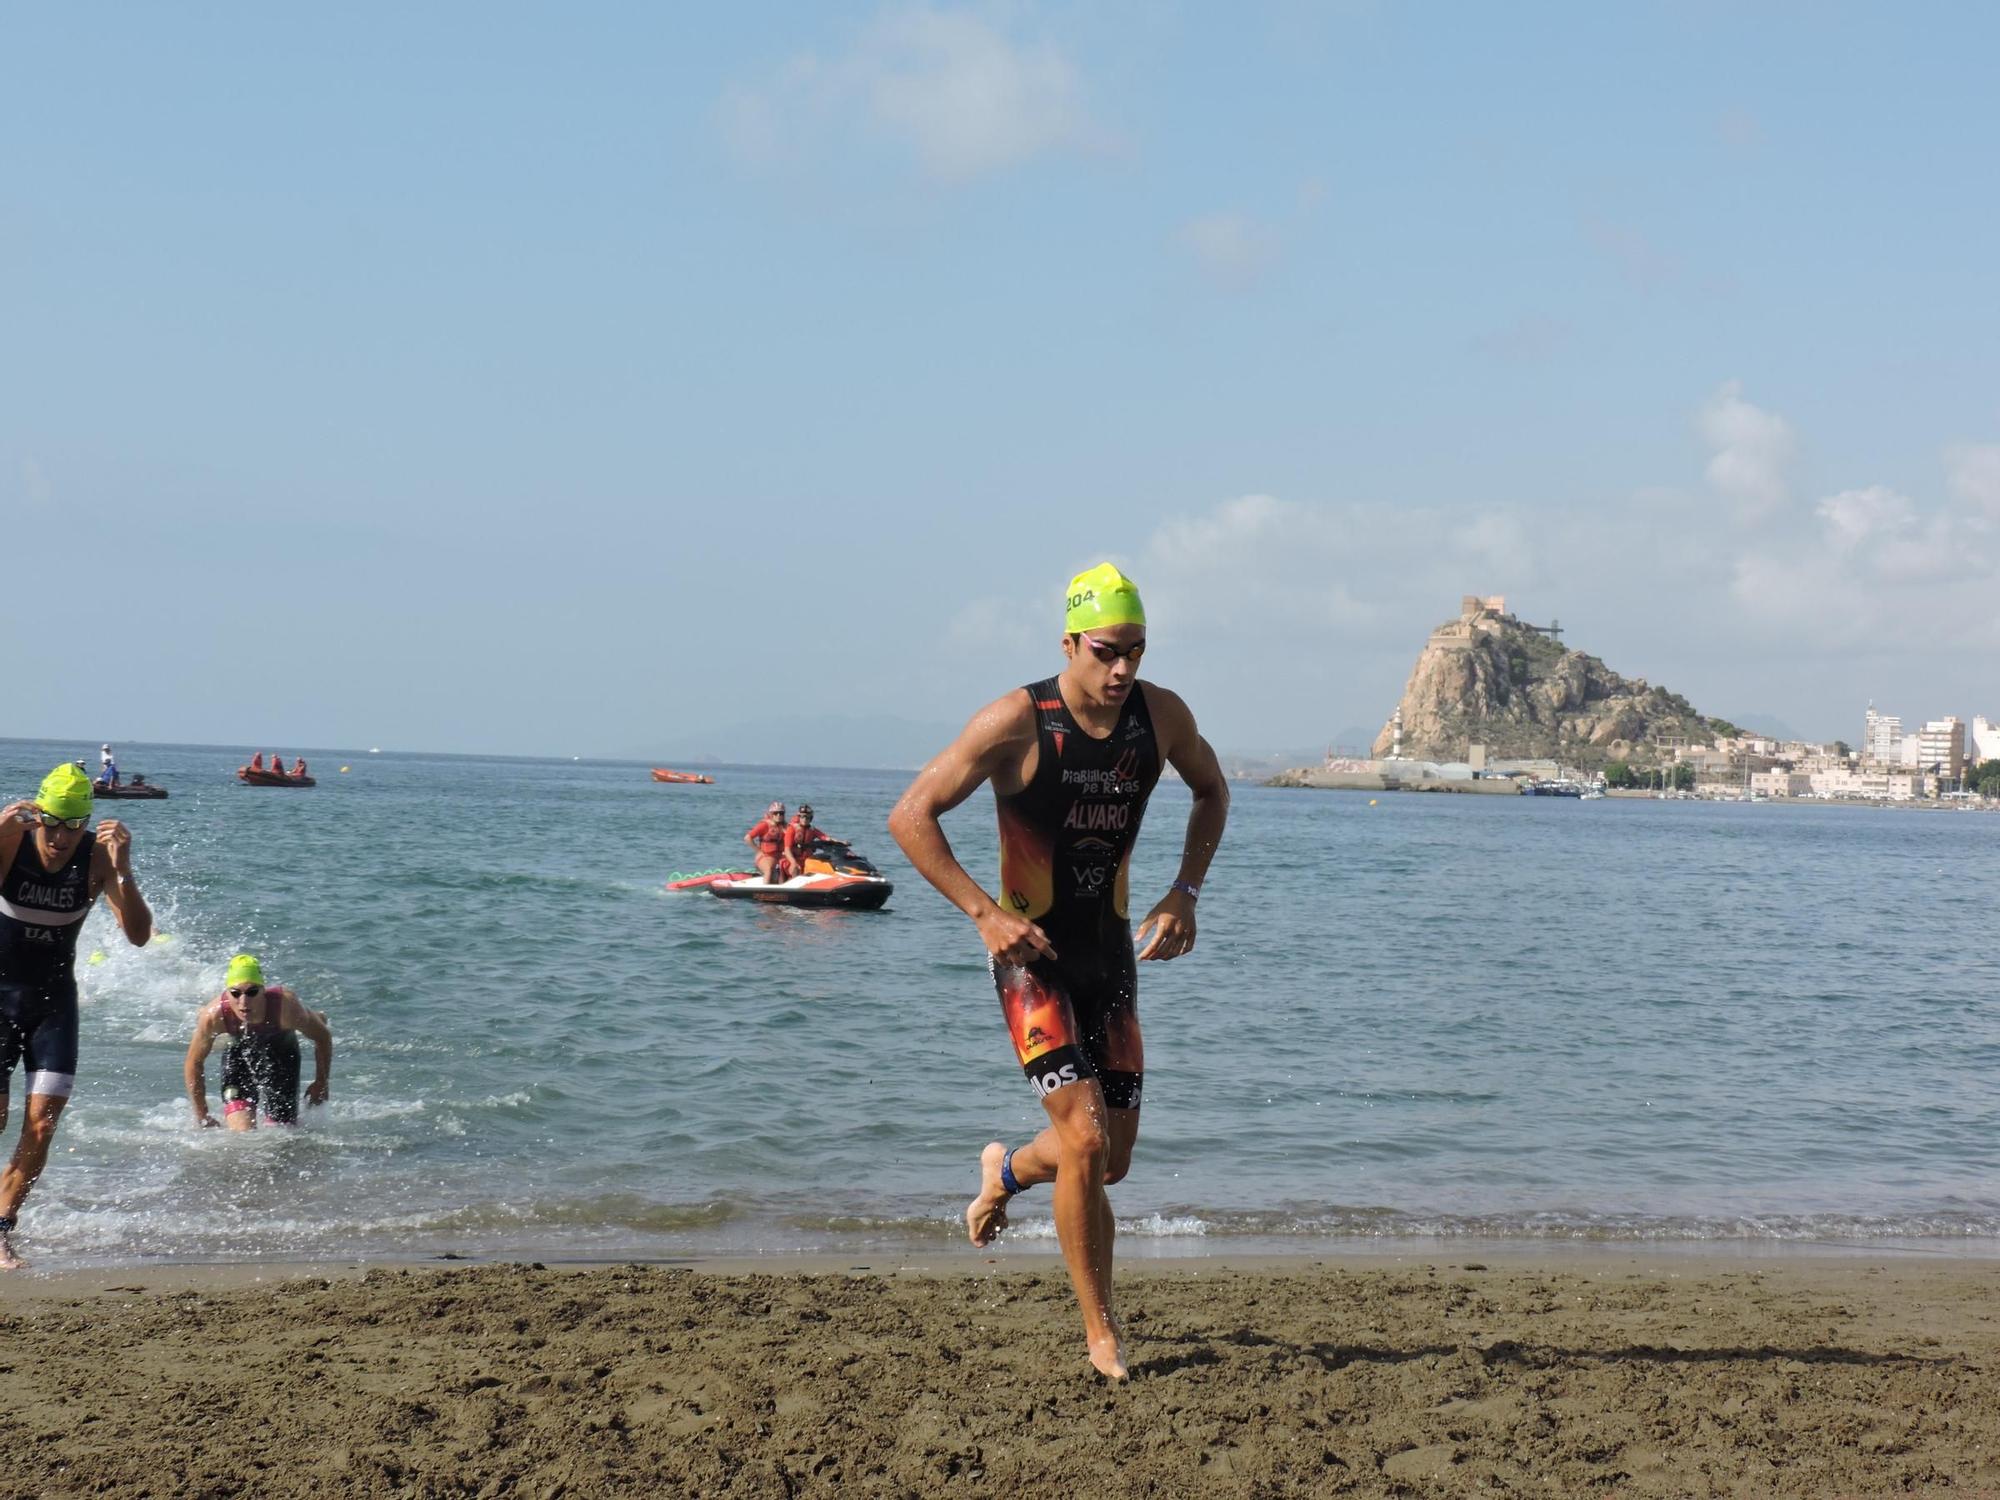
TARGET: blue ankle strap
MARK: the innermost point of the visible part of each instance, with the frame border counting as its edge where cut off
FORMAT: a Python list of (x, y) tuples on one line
[(1007, 1179)]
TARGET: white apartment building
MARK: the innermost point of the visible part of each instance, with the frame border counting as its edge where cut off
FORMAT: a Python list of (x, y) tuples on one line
[(1781, 783), (1882, 740), (1985, 739), (1941, 743), (1875, 784)]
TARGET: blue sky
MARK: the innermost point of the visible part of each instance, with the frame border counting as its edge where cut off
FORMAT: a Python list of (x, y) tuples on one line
[(582, 379)]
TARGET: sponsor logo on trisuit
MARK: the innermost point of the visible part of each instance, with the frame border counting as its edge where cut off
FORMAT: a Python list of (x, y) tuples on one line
[(1047, 1083)]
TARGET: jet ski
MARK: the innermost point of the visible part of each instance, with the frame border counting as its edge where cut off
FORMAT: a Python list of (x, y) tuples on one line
[(137, 789), (835, 877)]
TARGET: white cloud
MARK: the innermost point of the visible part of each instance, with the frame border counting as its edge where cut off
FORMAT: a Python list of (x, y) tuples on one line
[(1882, 535), (1753, 451), (1875, 569), (1304, 616), (1972, 472), (1233, 248), (950, 87), (1235, 572)]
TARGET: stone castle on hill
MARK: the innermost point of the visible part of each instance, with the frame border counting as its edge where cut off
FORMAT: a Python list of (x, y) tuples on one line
[(1488, 678)]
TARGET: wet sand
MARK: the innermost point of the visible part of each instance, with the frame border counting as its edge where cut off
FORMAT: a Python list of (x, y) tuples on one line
[(1618, 1373)]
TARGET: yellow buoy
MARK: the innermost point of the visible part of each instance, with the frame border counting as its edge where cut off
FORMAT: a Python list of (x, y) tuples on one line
[(343, 770), (1371, 802)]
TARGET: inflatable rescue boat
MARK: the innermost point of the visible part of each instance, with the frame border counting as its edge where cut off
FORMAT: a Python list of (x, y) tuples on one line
[(138, 789), (271, 778)]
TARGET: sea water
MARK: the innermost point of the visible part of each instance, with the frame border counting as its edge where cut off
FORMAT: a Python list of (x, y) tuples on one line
[(1406, 1016)]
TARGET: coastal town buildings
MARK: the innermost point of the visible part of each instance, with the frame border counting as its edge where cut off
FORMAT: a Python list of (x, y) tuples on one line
[(1874, 783), (1890, 766), (1941, 748), (1781, 783), (1882, 739), (1985, 739)]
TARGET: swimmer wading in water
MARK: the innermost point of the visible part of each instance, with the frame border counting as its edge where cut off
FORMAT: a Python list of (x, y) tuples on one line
[(52, 870), (260, 1067), (1072, 760)]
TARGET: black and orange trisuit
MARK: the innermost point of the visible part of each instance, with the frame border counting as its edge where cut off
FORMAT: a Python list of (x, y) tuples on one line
[(1065, 859)]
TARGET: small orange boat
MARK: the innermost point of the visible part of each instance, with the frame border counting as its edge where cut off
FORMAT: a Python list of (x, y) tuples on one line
[(683, 778), (271, 778)]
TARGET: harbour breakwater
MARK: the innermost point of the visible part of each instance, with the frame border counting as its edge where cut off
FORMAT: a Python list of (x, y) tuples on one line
[(1388, 778)]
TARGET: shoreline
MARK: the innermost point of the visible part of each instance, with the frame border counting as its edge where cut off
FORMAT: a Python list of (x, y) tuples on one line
[(1315, 779), (39, 1283), (1620, 1370)]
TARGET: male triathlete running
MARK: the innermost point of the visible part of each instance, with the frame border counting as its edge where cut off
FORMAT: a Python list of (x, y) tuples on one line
[(260, 1067), (1072, 760), (51, 871)]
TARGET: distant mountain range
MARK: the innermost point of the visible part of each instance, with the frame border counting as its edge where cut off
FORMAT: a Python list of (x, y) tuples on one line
[(874, 742), (871, 742)]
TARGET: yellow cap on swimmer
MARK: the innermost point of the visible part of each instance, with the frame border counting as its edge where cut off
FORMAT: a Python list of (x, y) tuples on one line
[(65, 791), (1102, 596), (244, 969)]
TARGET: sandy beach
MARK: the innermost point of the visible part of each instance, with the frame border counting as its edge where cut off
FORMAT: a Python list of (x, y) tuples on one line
[(1617, 1372)]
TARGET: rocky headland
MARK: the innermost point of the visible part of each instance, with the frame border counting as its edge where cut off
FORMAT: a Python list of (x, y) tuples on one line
[(1489, 678)]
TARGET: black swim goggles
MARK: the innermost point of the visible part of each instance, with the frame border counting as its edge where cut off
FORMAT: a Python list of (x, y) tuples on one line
[(50, 820)]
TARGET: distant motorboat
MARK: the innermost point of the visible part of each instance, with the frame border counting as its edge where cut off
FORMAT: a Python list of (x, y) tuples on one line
[(682, 778), (138, 789)]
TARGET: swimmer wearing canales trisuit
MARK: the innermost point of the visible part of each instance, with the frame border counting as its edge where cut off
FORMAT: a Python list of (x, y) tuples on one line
[(1072, 760), (260, 1067), (52, 870)]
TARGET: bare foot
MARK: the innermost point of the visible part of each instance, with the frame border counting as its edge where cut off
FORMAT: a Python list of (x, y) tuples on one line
[(9, 1261), (986, 1215), (1107, 1356)]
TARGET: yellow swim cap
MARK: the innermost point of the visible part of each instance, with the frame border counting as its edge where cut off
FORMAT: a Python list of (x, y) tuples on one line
[(1102, 596), (244, 969), (65, 792)]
